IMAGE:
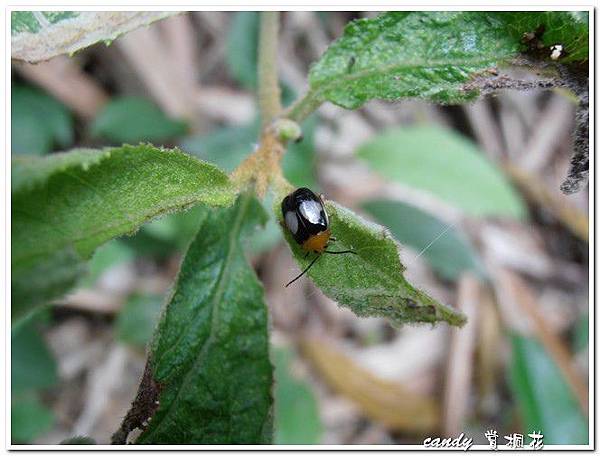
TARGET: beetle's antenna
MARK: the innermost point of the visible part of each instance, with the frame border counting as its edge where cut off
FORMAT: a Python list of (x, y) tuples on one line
[(340, 251), (303, 272)]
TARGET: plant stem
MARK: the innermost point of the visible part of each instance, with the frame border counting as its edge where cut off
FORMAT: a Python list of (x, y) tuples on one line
[(268, 81), (303, 107)]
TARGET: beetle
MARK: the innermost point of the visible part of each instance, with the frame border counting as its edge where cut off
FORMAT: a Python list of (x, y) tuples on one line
[(305, 217)]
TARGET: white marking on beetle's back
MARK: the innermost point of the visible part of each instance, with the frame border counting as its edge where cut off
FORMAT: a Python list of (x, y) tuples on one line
[(311, 210), (291, 221)]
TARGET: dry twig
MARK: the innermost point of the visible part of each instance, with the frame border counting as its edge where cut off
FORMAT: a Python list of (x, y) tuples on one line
[(460, 361)]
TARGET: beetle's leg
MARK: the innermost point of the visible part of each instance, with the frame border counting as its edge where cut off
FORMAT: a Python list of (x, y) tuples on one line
[(340, 252)]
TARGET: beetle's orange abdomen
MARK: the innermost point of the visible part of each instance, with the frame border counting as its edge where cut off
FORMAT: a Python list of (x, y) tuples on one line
[(318, 242)]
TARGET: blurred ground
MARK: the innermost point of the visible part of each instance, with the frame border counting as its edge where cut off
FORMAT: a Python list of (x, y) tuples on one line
[(520, 362)]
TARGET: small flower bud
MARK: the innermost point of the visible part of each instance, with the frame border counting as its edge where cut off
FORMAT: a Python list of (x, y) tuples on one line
[(287, 130)]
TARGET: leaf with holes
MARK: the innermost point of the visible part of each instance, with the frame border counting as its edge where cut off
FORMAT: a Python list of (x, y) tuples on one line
[(370, 283), (210, 355), (428, 55), (66, 205)]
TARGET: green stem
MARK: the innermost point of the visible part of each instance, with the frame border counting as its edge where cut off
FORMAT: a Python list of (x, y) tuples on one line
[(268, 81), (303, 107)]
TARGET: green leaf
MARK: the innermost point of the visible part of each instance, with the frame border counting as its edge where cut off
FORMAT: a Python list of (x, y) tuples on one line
[(78, 440), (432, 54), (29, 419), (38, 122), (445, 164), (242, 45), (32, 364), (66, 205), (210, 354), (137, 319), (568, 28), (135, 119), (371, 282), (449, 253), (428, 55), (41, 35), (297, 420), (544, 398), (106, 256)]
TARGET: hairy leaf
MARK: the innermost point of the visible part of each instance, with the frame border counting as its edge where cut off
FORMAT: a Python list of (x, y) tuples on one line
[(449, 253), (38, 122), (446, 165), (370, 283), (567, 28), (66, 205), (134, 119), (396, 55), (41, 35), (210, 355), (544, 398)]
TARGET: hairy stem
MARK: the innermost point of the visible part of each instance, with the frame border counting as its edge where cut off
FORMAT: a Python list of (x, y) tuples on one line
[(303, 107), (268, 81)]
